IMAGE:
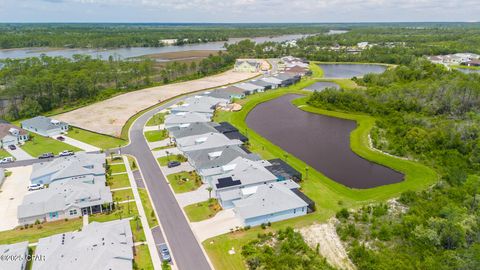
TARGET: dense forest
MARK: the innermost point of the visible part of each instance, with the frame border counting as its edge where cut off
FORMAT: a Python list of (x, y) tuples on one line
[(136, 35), (430, 114)]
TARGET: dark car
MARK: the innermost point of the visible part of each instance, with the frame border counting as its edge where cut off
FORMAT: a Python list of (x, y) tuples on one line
[(12, 147), (46, 155), (172, 164), (60, 138), (165, 252)]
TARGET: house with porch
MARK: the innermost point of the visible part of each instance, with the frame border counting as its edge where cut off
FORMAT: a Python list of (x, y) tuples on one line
[(12, 135), (45, 126), (106, 245)]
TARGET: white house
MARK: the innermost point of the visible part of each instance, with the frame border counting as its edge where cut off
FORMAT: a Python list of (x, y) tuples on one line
[(246, 65), (11, 135), (45, 126)]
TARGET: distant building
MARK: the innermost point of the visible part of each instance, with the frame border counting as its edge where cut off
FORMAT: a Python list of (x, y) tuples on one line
[(250, 88), (105, 246), (14, 256), (200, 104), (45, 126), (11, 135), (168, 42), (245, 65), (183, 118)]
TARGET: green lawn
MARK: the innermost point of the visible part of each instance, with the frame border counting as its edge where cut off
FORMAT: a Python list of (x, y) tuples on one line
[(118, 181), (203, 210), (147, 206), (38, 145), (4, 153), (163, 147), (137, 230), (39, 231), (142, 259), (99, 140), (156, 135), (328, 195), (164, 160), (118, 168), (123, 195), (156, 119), (184, 181), (121, 211)]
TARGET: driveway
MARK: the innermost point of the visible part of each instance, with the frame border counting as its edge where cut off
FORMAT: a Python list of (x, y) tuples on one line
[(85, 146), (196, 196), (11, 196), (220, 224), (19, 154), (184, 167), (163, 152), (152, 128), (162, 143)]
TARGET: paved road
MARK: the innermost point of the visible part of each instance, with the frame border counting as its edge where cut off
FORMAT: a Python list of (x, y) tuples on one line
[(185, 248)]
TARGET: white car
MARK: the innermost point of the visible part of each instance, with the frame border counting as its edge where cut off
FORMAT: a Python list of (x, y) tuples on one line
[(65, 153), (6, 160), (35, 187)]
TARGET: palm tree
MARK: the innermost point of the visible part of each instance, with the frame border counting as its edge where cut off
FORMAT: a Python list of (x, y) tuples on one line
[(209, 189), (136, 218)]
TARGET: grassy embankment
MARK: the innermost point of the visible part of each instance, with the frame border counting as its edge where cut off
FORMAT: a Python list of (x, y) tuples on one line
[(328, 195), (101, 141)]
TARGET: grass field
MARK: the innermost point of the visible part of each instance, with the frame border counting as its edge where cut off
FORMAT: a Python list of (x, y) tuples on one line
[(118, 168), (123, 195), (119, 181), (95, 139), (184, 181), (142, 258), (4, 153), (156, 135), (328, 195), (147, 206), (38, 145), (157, 119), (164, 160), (202, 210)]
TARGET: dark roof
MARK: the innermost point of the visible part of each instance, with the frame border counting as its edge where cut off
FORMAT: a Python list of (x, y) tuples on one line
[(262, 83), (233, 90), (281, 169), (305, 198), (236, 135), (244, 148), (219, 94), (225, 127), (227, 182)]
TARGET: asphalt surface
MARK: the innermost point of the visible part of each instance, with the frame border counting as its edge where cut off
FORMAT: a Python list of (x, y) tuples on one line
[(184, 247)]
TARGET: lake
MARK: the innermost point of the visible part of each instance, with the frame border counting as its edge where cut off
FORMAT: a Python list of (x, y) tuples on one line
[(135, 51), (350, 70), (320, 86), (322, 142)]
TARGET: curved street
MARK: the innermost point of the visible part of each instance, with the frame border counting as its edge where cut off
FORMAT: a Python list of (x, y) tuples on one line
[(186, 251)]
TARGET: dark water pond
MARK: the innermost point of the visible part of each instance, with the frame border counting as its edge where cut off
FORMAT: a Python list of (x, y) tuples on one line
[(320, 141), (468, 71), (320, 86), (350, 70)]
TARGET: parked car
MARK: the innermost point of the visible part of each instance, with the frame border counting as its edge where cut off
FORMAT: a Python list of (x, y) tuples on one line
[(35, 187), (60, 138), (172, 164), (165, 252), (12, 147), (6, 160), (65, 153), (46, 155)]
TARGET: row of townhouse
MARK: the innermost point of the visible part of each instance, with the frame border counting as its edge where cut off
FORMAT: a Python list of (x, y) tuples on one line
[(259, 191), (75, 186), (107, 245)]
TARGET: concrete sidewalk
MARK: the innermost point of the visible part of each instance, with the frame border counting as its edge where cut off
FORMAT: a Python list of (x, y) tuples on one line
[(157, 263), (19, 154), (163, 152), (184, 167), (153, 145), (85, 146)]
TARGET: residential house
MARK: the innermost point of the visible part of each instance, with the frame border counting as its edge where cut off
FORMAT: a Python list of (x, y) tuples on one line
[(105, 246), (192, 129), (473, 63), (175, 120), (250, 88), (283, 170), (270, 203), (264, 84), (45, 126), (217, 157), (230, 131), (65, 200), (204, 141), (14, 256), (199, 104), (217, 93), (11, 135), (275, 81), (77, 166), (245, 65), (298, 71), (235, 92), (287, 79)]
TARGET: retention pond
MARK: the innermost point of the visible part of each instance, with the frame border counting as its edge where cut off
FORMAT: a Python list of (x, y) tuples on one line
[(322, 142)]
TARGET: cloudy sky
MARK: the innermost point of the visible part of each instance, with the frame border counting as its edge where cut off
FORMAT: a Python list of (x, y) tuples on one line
[(238, 10)]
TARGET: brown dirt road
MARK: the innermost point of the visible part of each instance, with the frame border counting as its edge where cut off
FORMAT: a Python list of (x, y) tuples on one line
[(109, 116)]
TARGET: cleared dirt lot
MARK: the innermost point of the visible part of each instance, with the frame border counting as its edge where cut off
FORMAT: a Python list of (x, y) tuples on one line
[(11, 195), (110, 115)]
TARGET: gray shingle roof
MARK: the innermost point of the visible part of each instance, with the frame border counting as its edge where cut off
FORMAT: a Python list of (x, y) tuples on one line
[(219, 156), (269, 199), (18, 250), (185, 118), (42, 123), (205, 141), (105, 246), (193, 129)]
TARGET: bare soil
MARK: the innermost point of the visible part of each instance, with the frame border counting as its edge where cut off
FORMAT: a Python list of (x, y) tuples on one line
[(109, 116)]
